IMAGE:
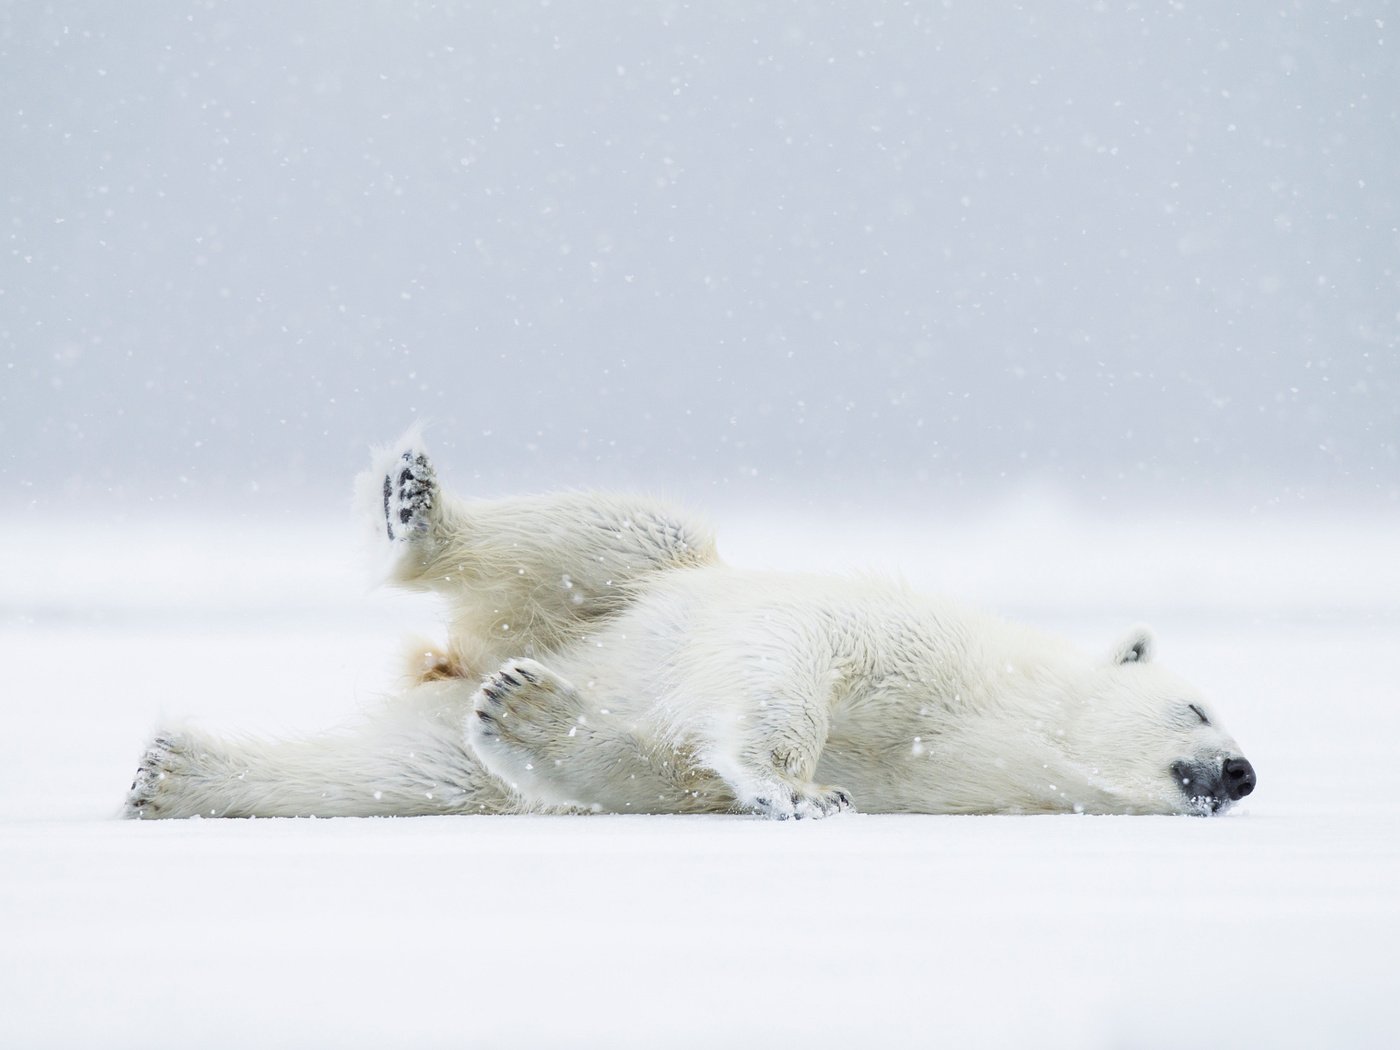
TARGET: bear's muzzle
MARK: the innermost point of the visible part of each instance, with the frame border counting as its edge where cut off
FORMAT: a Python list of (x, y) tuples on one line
[(1210, 787)]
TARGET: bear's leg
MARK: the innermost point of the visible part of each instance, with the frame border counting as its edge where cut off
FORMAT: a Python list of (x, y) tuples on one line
[(408, 759), (560, 747), (538, 734), (524, 576), (771, 761)]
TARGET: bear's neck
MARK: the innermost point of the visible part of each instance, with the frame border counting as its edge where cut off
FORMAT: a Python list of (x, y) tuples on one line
[(1009, 742)]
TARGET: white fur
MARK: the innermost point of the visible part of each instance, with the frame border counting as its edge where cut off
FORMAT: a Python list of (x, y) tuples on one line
[(602, 658)]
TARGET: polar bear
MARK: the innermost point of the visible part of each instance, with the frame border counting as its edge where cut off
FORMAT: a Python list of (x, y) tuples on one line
[(603, 659)]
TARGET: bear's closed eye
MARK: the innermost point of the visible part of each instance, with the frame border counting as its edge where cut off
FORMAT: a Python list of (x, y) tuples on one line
[(1200, 714)]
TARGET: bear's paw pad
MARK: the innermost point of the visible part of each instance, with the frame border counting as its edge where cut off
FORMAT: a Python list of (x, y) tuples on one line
[(410, 493)]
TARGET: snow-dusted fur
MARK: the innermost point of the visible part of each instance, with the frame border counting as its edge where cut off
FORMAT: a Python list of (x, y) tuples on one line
[(602, 658)]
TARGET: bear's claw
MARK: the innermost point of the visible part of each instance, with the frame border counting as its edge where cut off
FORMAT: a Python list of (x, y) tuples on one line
[(160, 760), (527, 720), (813, 801)]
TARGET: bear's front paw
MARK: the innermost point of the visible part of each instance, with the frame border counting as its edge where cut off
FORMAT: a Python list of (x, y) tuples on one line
[(528, 723), (783, 802), (538, 734)]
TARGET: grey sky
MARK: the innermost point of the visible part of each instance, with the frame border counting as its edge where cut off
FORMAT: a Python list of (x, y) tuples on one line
[(739, 251)]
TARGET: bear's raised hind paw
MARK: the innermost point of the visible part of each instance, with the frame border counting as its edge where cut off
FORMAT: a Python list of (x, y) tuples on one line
[(410, 493)]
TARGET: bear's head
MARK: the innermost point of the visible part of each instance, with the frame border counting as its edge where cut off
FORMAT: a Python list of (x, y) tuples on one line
[(1154, 739)]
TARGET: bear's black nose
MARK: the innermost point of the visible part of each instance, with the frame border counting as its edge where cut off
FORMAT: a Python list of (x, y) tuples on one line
[(1239, 778)]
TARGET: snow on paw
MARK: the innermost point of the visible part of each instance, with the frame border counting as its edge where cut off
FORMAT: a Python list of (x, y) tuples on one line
[(782, 801), (823, 802), (410, 494), (154, 789), (526, 722)]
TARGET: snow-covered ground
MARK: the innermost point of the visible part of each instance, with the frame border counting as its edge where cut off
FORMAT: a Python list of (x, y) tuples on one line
[(1275, 926)]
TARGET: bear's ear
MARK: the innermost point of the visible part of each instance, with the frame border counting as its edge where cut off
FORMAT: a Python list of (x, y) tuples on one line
[(1136, 648)]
